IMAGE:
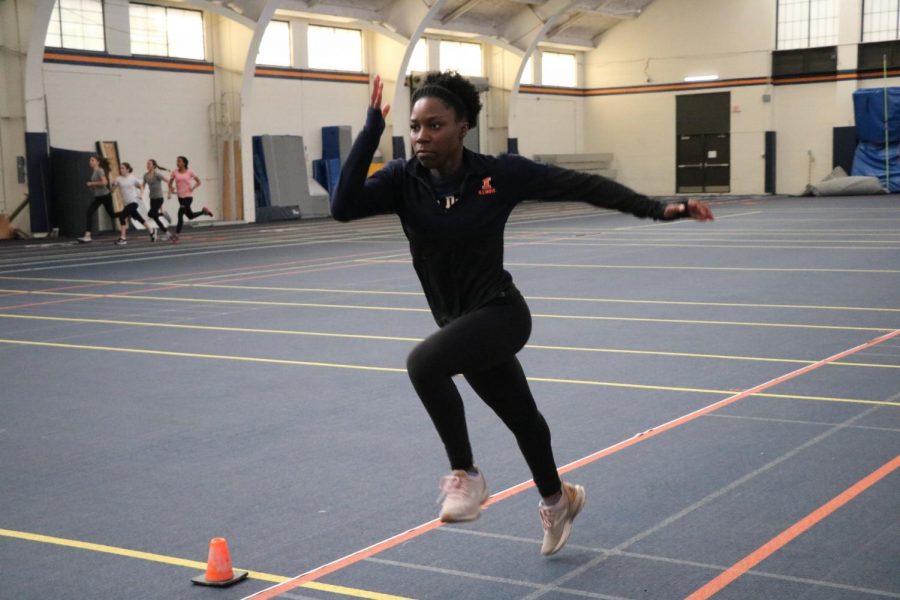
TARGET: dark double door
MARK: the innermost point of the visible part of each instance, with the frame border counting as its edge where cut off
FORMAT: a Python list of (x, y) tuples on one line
[(703, 145)]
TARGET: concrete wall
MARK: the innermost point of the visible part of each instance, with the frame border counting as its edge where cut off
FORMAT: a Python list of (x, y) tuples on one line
[(15, 18), (735, 39), (161, 113)]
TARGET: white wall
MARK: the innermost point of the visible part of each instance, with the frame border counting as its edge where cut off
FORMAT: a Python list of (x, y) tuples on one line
[(13, 19), (161, 114), (151, 114), (287, 107), (734, 39), (549, 124)]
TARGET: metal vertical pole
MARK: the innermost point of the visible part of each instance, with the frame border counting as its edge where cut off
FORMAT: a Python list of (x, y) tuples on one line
[(887, 141)]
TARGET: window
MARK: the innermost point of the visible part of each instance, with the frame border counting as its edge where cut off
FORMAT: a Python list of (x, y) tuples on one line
[(418, 62), (163, 31), (873, 55), (559, 69), (462, 57), (528, 73), (880, 20), (335, 49), (77, 24), (806, 23), (275, 46), (804, 61)]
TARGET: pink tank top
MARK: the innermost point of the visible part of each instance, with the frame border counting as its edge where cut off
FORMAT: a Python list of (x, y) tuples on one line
[(183, 182)]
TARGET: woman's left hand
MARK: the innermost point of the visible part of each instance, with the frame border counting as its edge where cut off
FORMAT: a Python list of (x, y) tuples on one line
[(699, 211), (377, 91)]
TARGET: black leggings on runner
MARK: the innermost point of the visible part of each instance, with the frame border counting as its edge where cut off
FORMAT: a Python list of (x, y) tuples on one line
[(482, 346), (184, 208), (106, 202), (155, 205), (130, 211)]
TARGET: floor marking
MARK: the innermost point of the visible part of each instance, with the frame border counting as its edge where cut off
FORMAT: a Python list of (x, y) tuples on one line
[(277, 361), (694, 268), (419, 294), (187, 252), (305, 363), (802, 422), (793, 532), (189, 564), (571, 242), (308, 268), (667, 237), (355, 336), (709, 498), (492, 579), (132, 296), (610, 552), (708, 322), (346, 561), (391, 542), (390, 338)]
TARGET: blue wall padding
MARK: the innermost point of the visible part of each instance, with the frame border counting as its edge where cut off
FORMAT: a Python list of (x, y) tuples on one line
[(336, 142), (868, 108), (40, 195), (260, 175), (869, 160), (327, 171)]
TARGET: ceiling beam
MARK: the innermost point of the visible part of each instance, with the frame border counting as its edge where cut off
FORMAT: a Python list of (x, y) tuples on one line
[(611, 8), (460, 11), (561, 27)]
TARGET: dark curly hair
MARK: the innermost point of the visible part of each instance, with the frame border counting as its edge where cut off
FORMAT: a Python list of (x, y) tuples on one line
[(455, 91)]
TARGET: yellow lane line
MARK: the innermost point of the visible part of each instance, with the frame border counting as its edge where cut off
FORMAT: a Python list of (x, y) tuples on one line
[(693, 268), (701, 322), (304, 363), (669, 268), (708, 391), (718, 304), (251, 359), (218, 301), (705, 356), (190, 564), (423, 310), (569, 242), (269, 288), (392, 338), (355, 336)]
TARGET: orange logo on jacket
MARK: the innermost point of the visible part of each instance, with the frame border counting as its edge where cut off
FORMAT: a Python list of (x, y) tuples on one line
[(486, 187)]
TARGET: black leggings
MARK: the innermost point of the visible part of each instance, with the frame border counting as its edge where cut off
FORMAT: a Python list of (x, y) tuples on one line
[(482, 346), (155, 205), (106, 202), (184, 208), (130, 210)]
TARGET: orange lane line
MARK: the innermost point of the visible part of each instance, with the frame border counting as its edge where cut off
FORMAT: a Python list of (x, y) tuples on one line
[(163, 288), (46, 303), (300, 269), (794, 531), (391, 542), (232, 270), (346, 561)]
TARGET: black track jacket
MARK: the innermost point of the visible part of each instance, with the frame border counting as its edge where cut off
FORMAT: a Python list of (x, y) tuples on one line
[(457, 252)]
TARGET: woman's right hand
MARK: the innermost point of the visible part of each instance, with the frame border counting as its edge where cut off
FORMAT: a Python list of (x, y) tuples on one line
[(377, 91)]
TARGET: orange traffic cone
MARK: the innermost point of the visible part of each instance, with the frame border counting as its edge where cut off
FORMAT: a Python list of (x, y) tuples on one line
[(218, 567)]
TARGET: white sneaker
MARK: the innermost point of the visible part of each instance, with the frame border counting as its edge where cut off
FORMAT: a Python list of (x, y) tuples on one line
[(463, 496), (557, 519)]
